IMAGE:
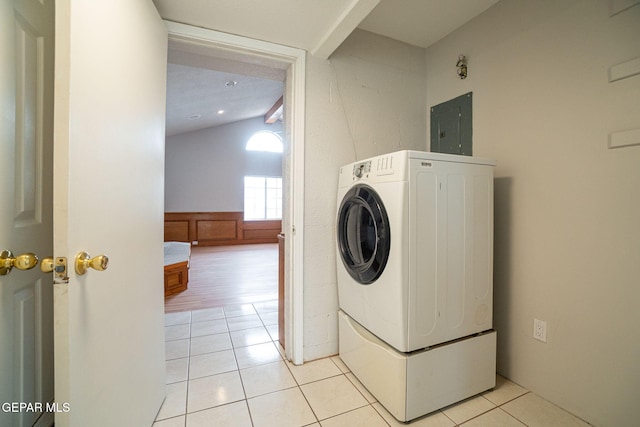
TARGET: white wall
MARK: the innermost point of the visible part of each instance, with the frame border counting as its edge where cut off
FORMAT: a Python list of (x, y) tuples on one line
[(567, 242), (367, 99), (205, 169)]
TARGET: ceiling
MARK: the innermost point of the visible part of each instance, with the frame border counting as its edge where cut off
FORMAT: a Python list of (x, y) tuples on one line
[(199, 98), (319, 27)]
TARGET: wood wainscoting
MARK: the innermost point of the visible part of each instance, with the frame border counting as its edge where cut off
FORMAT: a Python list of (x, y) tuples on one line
[(218, 228)]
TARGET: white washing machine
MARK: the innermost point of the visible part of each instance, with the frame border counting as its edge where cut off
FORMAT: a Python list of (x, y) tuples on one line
[(415, 282)]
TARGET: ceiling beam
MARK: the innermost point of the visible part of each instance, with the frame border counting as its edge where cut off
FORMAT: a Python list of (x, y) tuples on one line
[(343, 26), (275, 113)]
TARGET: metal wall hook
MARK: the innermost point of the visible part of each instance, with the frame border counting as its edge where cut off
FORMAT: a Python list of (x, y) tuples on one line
[(461, 65)]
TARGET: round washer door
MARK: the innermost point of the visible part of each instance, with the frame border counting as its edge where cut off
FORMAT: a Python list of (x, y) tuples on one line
[(363, 234)]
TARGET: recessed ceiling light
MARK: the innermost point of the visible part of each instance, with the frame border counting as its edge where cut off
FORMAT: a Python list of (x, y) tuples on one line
[(194, 116), (231, 83), (220, 111)]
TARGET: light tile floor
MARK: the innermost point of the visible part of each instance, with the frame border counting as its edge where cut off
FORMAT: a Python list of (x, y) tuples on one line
[(225, 368)]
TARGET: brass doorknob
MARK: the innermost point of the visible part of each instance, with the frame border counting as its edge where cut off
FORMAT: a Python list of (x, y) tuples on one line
[(21, 262), (84, 262), (47, 265)]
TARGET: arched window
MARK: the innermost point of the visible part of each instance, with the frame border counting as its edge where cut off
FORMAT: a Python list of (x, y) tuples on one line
[(265, 140)]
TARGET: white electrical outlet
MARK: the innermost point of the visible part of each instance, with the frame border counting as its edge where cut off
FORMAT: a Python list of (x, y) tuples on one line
[(540, 330)]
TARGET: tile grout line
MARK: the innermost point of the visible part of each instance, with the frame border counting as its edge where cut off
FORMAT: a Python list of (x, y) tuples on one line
[(511, 400), (228, 332), (290, 368), (492, 409), (334, 376), (298, 385), (283, 358), (235, 357), (246, 398), (233, 348), (381, 415), (186, 402), (513, 416), (365, 397)]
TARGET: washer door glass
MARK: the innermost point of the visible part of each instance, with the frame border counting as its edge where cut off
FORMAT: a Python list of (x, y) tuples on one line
[(363, 234)]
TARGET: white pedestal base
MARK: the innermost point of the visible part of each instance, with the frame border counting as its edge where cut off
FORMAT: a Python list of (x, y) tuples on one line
[(410, 385)]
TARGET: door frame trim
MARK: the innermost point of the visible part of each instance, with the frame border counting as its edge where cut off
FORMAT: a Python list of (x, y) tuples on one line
[(294, 61)]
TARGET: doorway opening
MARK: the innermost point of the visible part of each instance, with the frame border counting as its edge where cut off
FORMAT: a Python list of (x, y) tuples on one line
[(204, 48)]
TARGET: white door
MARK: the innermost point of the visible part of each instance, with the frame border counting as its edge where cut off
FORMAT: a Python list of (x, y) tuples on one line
[(109, 174), (26, 319), (108, 199)]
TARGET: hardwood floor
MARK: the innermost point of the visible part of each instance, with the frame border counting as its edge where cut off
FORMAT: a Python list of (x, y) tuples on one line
[(228, 275)]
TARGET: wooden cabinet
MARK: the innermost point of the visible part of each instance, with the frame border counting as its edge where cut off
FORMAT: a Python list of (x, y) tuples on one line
[(176, 277)]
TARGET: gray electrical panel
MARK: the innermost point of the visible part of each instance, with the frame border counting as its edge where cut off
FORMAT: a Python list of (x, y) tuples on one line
[(451, 126)]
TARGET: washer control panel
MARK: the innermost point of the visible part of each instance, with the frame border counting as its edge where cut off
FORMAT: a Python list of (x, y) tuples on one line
[(360, 169)]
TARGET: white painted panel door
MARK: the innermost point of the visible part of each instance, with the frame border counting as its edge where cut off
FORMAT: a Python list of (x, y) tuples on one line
[(108, 199), (26, 96), (26, 319)]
